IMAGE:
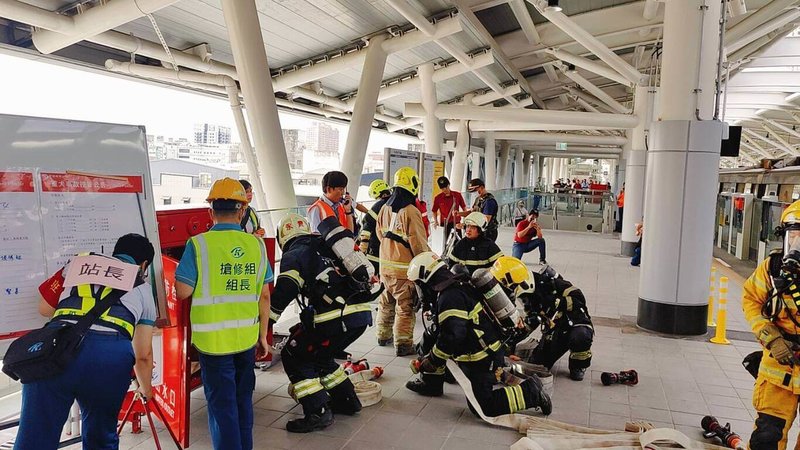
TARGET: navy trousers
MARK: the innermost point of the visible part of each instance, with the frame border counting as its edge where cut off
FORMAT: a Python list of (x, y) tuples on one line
[(98, 379), (228, 382)]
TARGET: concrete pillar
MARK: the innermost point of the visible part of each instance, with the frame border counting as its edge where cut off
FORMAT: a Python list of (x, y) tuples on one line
[(252, 67), (538, 165), (519, 169), (490, 161), (355, 149), (461, 150), (503, 178), (433, 143), (527, 175), (682, 175), (635, 171)]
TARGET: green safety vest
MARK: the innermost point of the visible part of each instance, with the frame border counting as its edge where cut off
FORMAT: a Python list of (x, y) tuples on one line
[(230, 275)]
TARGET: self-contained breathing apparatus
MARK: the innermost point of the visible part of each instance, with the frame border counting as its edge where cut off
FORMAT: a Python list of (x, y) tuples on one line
[(483, 286), (342, 243)]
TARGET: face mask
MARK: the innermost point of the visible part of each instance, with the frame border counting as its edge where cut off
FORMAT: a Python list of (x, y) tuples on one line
[(791, 251)]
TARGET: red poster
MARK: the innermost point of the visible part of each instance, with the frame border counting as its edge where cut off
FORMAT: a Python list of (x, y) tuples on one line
[(80, 182), (16, 182)]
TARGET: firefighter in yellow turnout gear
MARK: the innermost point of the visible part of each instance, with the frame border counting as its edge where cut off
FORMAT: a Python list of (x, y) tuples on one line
[(402, 235), (770, 301)]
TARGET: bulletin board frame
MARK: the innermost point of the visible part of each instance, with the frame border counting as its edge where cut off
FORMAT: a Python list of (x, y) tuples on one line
[(95, 150)]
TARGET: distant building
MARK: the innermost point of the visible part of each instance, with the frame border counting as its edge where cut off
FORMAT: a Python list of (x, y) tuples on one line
[(293, 140), (176, 181), (323, 140), (206, 133)]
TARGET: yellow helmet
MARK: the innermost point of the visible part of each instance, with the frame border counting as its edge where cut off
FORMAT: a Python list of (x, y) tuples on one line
[(791, 214), (476, 219), (511, 272), (227, 189), (292, 225), (422, 266), (376, 188), (407, 178)]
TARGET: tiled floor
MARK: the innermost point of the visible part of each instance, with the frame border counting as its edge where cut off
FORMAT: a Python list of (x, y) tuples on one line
[(681, 380)]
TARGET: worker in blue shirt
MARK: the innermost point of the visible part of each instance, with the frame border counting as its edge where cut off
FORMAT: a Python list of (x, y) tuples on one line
[(226, 273), (119, 340)]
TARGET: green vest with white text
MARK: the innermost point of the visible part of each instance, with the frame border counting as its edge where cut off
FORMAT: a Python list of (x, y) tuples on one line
[(230, 275)]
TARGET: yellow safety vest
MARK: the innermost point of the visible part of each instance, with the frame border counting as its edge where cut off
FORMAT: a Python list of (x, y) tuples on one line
[(230, 275)]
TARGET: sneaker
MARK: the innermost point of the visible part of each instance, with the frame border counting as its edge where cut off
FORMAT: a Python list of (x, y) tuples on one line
[(542, 262), (312, 422), (385, 342), (405, 350), (577, 374), (423, 388)]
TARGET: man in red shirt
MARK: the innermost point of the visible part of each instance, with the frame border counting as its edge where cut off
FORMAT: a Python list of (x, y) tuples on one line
[(445, 206), (528, 237)]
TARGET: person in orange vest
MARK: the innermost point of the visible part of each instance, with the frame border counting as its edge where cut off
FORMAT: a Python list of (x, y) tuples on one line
[(333, 202), (620, 206)]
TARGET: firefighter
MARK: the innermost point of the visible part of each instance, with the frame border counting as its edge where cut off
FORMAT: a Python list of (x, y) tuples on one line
[(369, 243), (558, 306), (475, 251), (466, 334), (770, 301), (334, 313), (402, 235)]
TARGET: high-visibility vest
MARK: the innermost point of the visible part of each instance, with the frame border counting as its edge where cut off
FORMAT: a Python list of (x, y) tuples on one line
[(82, 301), (230, 275), (621, 199), (325, 211)]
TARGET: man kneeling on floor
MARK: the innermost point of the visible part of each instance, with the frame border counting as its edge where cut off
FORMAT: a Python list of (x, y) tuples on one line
[(467, 335), (556, 305)]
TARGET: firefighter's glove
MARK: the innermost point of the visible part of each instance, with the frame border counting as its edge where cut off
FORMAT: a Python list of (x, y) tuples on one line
[(783, 352), (424, 364)]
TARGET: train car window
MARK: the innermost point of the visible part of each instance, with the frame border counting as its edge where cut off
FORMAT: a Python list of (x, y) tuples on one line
[(760, 190)]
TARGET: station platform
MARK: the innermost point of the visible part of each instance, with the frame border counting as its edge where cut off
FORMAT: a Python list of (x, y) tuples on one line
[(681, 379)]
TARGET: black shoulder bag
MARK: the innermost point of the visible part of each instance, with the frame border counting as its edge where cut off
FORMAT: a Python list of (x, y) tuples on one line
[(48, 351)]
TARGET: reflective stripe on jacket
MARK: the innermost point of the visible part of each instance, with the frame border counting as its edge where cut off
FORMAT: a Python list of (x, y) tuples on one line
[(231, 266)]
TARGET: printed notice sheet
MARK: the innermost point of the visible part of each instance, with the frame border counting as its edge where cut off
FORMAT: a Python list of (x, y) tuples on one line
[(87, 212), (21, 259)]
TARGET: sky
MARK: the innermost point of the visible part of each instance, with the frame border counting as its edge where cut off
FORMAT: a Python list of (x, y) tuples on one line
[(36, 88)]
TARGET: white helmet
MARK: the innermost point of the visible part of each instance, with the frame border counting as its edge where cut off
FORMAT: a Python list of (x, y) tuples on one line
[(292, 225), (476, 219), (423, 266)]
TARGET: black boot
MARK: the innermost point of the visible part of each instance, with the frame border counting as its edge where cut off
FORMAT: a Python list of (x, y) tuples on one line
[(577, 374), (539, 398), (344, 399), (311, 422), (419, 386)]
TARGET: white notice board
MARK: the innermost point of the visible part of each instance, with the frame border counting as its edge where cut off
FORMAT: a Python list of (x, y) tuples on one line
[(394, 159), (432, 169), (67, 187), (22, 265)]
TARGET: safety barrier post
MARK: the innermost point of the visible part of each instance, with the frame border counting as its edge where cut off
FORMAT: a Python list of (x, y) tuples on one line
[(711, 295), (722, 313)]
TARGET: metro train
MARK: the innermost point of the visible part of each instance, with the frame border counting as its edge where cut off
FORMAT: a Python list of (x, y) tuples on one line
[(749, 206)]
